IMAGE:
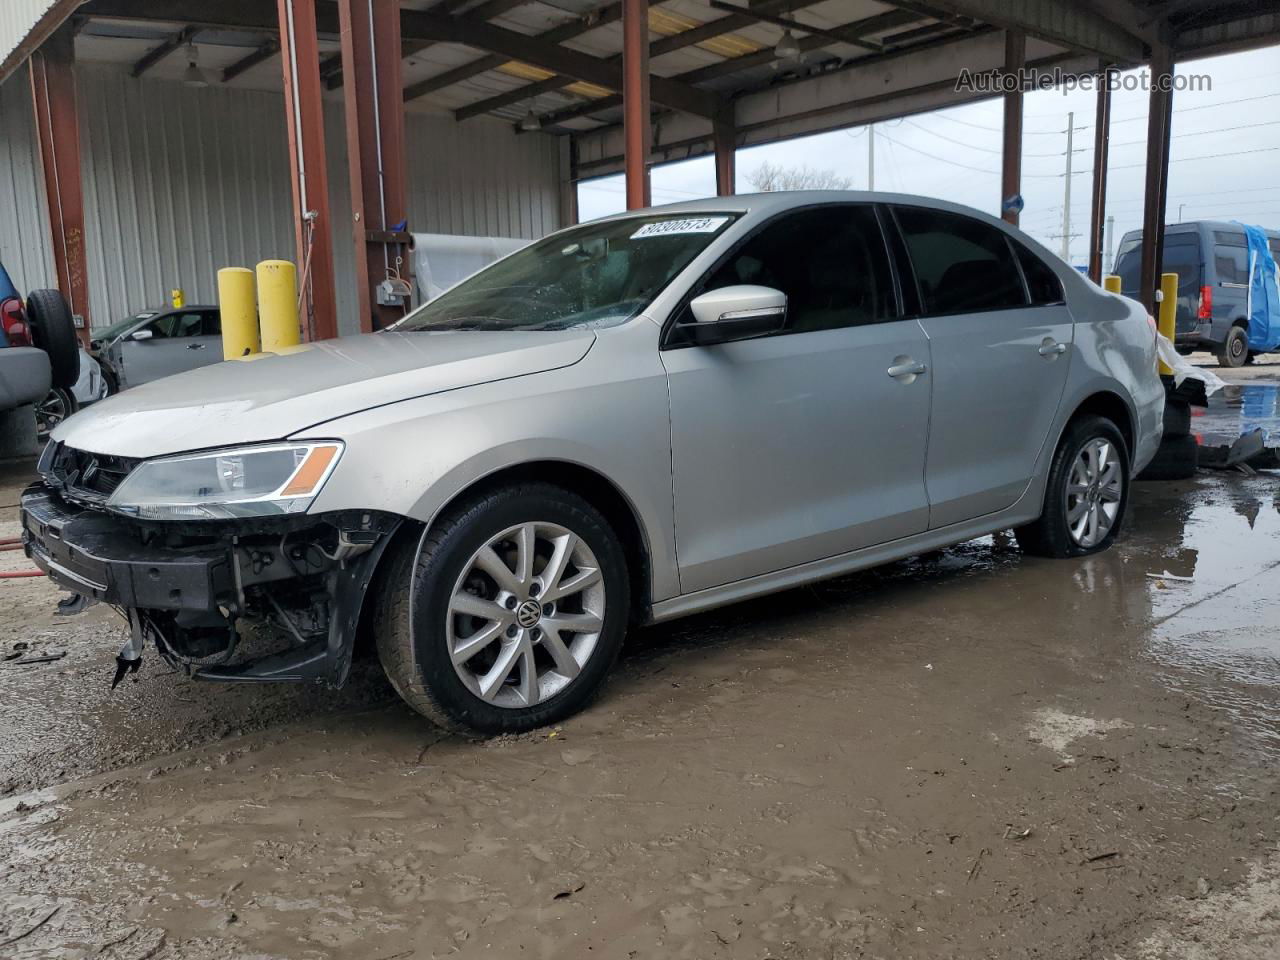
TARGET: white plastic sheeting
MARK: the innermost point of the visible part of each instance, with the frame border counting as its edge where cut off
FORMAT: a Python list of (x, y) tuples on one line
[(441, 260), (1182, 367)]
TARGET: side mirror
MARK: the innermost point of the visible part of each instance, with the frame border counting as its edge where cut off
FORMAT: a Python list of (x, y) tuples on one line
[(736, 313), (143, 334)]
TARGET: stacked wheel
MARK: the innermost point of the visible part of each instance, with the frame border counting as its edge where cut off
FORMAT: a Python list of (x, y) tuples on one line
[(54, 332)]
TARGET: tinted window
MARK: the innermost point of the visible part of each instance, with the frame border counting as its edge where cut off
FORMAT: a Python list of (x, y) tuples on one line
[(1275, 248), (829, 261), (961, 265), (211, 324), (1181, 256), (1042, 283), (1231, 264), (1230, 239)]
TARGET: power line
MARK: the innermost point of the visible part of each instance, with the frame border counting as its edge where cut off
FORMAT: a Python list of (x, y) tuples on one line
[(1202, 106), (1193, 133), (943, 136)]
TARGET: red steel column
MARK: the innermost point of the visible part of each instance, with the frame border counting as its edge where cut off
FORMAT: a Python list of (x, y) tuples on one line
[(374, 97), (1101, 154), (1159, 119), (304, 116), (1015, 59), (635, 100), (724, 136), (53, 89)]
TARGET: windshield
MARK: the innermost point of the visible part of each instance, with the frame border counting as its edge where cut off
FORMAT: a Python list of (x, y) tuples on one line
[(596, 275)]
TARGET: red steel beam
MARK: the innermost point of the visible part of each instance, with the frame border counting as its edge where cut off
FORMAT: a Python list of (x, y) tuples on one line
[(371, 63), (1015, 61), (635, 100), (304, 115), (1159, 118), (53, 90), (724, 140), (1101, 154)]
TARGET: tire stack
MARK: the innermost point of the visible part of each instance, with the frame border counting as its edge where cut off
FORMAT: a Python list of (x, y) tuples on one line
[(1178, 455)]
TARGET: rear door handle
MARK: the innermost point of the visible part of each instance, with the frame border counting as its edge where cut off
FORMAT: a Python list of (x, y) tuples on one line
[(906, 368), (1051, 348)]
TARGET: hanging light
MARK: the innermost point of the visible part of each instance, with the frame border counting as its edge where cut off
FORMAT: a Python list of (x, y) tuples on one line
[(788, 48), (530, 122), (193, 76)]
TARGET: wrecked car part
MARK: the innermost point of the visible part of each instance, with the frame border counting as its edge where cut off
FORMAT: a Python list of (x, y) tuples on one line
[(191, 588), (129, 659), (74, 603)]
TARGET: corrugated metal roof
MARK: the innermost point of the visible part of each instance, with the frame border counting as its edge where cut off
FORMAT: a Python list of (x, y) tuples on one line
[(17, 18)]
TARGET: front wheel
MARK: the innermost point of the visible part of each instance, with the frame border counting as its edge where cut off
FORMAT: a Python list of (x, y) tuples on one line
[(508, 614), (1086, 495)]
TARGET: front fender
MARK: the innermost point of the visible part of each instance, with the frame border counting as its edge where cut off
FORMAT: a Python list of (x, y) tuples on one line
[(608, 413)]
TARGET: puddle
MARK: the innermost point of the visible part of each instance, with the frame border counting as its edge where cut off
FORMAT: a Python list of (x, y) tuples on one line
[(1238, 409)]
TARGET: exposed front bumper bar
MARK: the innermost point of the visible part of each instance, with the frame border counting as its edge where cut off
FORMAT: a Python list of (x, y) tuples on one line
[(91, 553)]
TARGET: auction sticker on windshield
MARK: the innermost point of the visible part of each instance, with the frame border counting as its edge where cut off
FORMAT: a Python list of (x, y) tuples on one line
[(665, 228)]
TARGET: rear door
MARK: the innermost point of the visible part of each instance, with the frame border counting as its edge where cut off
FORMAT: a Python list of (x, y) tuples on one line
[(1000, 336), (1230, 286)]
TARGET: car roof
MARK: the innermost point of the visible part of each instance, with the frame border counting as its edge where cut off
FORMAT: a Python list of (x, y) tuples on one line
[(777, 201)]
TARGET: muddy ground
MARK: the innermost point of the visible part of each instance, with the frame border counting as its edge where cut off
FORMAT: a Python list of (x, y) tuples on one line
[(971, 754)]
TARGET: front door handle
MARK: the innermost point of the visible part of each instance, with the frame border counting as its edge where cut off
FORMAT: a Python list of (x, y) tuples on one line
[(904, 368), (195, 346), (1052, 348)]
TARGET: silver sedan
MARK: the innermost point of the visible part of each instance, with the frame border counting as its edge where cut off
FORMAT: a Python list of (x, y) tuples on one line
[(631, 420)]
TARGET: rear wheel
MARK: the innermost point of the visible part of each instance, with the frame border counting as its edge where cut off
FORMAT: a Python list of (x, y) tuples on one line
[(509, 613), (54, 332), (1086, 494), (1235, 349)]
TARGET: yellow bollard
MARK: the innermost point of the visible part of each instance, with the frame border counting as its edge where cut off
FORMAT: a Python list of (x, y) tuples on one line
[(278, 305), (239, 313), (1168, 311), (1111, 283)]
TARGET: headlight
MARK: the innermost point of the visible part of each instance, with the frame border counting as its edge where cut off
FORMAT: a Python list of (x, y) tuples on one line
[(222, 484)]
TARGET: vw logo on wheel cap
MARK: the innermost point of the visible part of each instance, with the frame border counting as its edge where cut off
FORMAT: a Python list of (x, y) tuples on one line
[(528, 614)]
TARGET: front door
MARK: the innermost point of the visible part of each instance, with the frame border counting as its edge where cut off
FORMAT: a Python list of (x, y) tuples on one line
[(179, 341), (800, 445), (1000, 336)]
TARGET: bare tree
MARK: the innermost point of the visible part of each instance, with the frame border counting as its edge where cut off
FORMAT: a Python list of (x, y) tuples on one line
[(769, 177)]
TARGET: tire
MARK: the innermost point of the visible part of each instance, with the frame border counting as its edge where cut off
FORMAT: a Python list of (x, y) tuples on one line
[(1235, 349), (59, 404), (1177, 418), (1052, 535), (415, 623), (1176, 459), (54, 332)]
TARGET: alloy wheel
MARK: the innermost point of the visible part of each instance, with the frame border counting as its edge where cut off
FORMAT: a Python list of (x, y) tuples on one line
[(1094, 490), (52, 410), (525, 615)]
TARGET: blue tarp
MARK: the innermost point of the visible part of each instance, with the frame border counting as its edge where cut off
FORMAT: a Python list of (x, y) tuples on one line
[(1264, 297)]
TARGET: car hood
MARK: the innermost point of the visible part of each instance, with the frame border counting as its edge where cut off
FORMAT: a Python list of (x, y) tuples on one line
[(270, 396)]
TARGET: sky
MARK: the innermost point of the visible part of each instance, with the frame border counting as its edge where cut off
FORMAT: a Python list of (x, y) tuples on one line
[(1225, 155)]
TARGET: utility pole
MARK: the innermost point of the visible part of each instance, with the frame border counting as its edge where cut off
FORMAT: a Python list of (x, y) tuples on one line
[(1066, 193), (871, 156), (1111, 226)]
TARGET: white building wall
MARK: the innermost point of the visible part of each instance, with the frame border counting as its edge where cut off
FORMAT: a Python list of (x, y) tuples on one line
[(17, 17), (24, 222), (179, 182)]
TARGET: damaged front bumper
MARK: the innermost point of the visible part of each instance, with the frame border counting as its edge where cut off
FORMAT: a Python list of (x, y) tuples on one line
[(191, 587)]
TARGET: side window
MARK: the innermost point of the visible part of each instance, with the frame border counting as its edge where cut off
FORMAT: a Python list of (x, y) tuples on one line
[(1231, 264), (210, 324), (1042, 283), (829, 261), (162, 326), (961, 264), (1274, 244)]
